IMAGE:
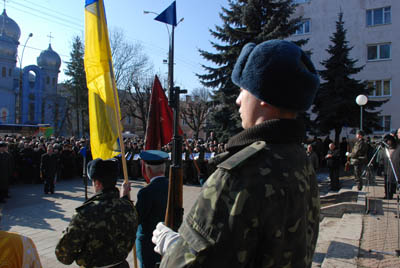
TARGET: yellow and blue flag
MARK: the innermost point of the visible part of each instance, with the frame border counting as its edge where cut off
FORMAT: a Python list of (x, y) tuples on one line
[(104, 111)]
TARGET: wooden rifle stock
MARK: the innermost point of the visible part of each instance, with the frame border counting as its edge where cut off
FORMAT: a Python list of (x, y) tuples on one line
[(174, 212)]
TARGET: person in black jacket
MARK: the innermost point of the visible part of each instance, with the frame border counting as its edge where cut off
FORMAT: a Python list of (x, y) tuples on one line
[(48, 169), (333, 163), (151, 206)]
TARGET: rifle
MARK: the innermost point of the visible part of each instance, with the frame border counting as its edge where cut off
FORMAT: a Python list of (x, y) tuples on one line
[(174, 212)]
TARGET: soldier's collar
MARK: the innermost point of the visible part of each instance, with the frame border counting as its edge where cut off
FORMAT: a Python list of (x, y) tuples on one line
[(274, 131)]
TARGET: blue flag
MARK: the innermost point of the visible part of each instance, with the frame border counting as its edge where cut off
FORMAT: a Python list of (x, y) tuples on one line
[(168, 15), (83, 151)]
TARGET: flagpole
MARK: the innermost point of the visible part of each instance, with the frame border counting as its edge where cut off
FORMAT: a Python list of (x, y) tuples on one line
[(121, 145), (118, 120)]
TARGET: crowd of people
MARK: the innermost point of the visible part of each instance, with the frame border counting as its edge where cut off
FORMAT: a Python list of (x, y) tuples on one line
[(23, 162), (358, 154), (30, 159)]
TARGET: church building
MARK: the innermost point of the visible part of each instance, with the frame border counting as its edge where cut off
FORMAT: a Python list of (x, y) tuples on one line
[(28, 95)]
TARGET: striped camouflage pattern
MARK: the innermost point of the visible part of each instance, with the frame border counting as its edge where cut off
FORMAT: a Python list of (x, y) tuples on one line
[(260, 208), (102, 231)]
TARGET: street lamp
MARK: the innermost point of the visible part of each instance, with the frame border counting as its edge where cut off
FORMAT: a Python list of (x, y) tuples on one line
[(361, 100), (18, 101)]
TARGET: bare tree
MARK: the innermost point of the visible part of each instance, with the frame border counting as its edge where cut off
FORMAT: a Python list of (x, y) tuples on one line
[(135, 100), (195, 111), (129, 60), (133, 76)]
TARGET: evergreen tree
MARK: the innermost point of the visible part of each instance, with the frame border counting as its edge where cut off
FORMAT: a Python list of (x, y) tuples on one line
[(335, 104), (243, 21), (76, 85)]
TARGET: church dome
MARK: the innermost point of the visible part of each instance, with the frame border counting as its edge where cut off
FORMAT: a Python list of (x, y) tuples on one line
[(49, 59), (9, 27), (8, 49)]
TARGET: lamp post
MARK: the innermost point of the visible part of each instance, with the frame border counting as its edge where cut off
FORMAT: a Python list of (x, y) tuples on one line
[(174, 212), (361, 100), (18, 100)]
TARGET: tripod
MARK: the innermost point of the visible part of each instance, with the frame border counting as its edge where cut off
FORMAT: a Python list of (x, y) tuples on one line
[(368, 173), (397, 251)]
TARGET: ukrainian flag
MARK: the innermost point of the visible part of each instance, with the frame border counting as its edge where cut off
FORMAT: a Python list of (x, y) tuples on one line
[(104, 111)]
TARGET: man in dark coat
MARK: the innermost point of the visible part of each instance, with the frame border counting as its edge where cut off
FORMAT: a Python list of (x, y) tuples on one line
[(333, 163), (49, 169), (260, 208), (151, 205), (389, 176), (102, 231), (6, 166)]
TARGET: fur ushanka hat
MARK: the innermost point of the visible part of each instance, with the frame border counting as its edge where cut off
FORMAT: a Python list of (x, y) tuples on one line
[(277, 72)]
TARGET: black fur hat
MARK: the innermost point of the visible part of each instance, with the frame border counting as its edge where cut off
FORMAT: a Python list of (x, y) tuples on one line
[(105, 171), (277, 72)]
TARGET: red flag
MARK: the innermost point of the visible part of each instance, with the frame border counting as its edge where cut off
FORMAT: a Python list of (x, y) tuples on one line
[(159, 129)]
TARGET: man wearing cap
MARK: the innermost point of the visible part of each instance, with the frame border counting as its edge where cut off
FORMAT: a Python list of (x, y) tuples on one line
[(102, 231), (358, 157), (151, 205), (260, 208)]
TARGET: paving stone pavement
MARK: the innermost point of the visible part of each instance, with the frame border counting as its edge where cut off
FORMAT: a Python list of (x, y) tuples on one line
[(43, 217), (380, 235)]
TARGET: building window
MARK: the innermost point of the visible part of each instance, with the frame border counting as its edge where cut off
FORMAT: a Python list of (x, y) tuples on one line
[(385, 123), (379, 51), (53, 82), (304, 27), (380, 88), (47, 80), (43, 111), (300, 1), (3, 72), (379, 16), (10, 72), (31, 112)]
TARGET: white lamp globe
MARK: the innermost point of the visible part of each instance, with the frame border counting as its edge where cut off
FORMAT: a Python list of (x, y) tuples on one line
[(361, 100)]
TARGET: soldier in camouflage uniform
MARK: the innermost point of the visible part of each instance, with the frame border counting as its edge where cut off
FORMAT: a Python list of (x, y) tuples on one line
[(260, 208), (102, 231), (358, 157)]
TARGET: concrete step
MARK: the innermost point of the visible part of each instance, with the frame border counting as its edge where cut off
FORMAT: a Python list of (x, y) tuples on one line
[(327, 231), (343, 249)]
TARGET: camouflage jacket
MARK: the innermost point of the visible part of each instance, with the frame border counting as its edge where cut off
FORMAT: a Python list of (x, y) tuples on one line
[(102, 231), (260, 208), (359, 153)]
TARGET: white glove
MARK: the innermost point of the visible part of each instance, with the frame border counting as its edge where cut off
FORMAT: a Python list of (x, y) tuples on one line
[(347, 153), (163, 238)]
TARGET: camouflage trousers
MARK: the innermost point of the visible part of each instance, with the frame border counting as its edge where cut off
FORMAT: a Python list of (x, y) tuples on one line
[(358, 169)]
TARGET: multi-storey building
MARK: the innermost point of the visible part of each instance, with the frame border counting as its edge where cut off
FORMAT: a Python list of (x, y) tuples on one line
[(374, 36)]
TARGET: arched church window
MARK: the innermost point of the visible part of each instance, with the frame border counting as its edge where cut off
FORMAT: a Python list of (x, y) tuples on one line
[(56, 110), (3, 72), (47, 80), (43, 111), (10, 72), (54, 81), (31, 115)]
